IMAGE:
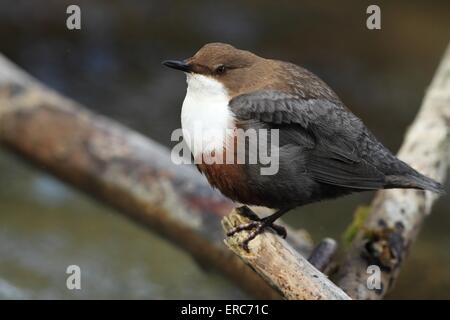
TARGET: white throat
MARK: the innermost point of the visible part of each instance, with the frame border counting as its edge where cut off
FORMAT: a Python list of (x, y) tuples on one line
[(205, 115)]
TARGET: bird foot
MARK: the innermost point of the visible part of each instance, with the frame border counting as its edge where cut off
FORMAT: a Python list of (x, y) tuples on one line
[(257, 225)]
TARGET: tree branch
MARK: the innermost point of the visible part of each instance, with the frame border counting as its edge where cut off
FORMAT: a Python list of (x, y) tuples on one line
[(397, 215), (280, 265)]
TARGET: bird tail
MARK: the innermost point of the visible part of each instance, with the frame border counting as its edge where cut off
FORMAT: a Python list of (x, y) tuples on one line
[(414, 180)]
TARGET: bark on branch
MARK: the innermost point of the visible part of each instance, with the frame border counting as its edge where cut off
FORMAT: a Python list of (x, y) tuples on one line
[(281, 265), (397, 215)]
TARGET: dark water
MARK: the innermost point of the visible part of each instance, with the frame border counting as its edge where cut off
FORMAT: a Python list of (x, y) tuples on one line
[(113, 66)]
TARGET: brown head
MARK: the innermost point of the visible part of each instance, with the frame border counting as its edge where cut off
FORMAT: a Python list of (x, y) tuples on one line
[(238, 70)]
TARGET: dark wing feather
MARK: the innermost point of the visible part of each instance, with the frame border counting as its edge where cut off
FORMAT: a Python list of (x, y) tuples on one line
[(334, 134)]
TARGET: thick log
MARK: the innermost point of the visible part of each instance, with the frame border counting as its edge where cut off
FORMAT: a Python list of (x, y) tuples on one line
[(396, 216), (282, 266), (121, 168)]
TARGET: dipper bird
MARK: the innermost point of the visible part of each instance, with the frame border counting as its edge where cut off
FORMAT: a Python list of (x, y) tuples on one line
[(324, 150)]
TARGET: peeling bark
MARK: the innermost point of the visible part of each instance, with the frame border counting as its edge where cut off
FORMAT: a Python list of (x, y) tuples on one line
[(280, 265)]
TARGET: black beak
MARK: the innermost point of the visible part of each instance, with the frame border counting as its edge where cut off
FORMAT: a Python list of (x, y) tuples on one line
[(178, 65)]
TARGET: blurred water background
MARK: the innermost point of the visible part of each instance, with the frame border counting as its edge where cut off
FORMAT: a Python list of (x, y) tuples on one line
[(113, 66)]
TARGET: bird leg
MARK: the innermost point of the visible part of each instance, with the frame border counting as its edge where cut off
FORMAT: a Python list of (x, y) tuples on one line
[(257, 224), (248, 213)]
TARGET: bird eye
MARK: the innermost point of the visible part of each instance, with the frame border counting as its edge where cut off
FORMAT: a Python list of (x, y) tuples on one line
[(220, 69)]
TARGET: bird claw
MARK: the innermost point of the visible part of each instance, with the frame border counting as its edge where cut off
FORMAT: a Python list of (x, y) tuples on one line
[(257, 225)]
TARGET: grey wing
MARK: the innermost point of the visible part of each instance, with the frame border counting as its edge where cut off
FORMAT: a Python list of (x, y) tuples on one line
[(330, 135)]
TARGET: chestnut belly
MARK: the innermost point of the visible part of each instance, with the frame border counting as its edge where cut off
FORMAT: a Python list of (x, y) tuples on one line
[(232, 181), (289, 188)]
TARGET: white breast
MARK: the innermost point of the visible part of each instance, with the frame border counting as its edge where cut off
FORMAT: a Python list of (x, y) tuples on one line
[(205, 116)]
